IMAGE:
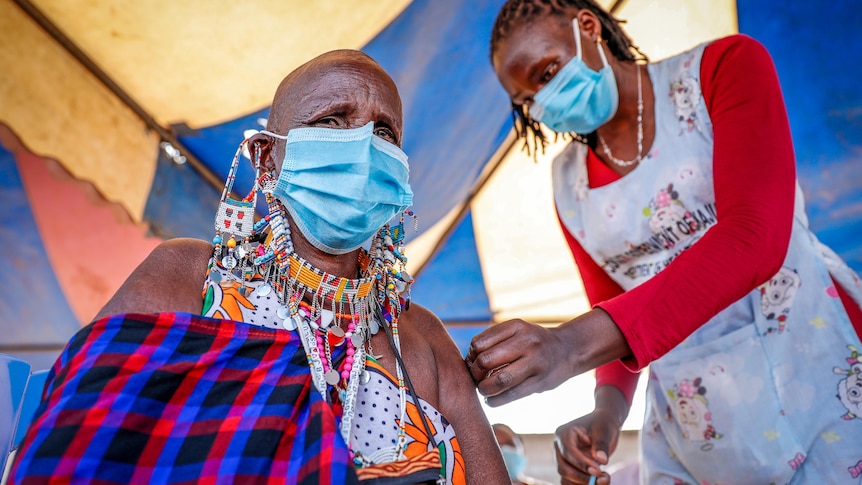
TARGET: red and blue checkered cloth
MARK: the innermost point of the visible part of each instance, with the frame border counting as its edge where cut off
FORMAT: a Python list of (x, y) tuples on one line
[(178, 398)]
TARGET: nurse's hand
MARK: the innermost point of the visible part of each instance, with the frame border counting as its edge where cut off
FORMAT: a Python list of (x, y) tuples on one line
[(585, 444), (517, 358)]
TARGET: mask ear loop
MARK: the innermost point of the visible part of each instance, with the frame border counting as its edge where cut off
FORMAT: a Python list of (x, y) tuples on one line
[(274, 135), (577, 28), (578, 51), (601, 52)]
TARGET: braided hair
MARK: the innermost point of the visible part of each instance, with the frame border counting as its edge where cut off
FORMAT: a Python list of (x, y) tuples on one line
[(516, 12)]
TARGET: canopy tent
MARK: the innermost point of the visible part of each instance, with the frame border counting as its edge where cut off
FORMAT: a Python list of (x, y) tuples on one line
[(117, 94)]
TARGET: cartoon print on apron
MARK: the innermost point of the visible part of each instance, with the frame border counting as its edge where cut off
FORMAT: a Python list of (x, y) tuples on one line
[(754, 388), (777, 297)]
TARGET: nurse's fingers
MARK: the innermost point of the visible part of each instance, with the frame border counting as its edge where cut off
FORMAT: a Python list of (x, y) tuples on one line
[(574, 446), (488, 350), (520, 387), (570, 474)]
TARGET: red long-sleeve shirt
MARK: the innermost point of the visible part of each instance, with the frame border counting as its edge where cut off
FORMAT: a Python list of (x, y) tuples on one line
[(754, 180)]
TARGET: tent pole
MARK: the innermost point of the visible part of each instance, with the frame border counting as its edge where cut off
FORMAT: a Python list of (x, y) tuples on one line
[(618, 4), (9, 349), (70, 47), (493, 164)]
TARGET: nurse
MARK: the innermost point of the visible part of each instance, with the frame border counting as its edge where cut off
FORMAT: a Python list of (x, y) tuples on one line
[(679, 200)]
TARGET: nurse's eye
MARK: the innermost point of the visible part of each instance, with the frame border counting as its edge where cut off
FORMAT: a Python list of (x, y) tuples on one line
[(548, 73)]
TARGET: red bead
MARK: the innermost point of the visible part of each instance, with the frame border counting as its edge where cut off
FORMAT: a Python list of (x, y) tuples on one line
[(334, 341)]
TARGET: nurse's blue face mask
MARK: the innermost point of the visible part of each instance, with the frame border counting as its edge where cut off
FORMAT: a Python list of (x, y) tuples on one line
[(577, 99), (341, 186)]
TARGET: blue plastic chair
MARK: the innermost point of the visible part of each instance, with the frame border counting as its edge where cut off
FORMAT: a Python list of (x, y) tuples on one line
[(29, 404), (20, 394)]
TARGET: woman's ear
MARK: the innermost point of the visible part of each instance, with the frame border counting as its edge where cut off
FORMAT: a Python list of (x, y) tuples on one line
[(591, 27), (262, 146)]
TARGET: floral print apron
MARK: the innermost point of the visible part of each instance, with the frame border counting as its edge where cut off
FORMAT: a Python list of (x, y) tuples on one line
[(770, 389)]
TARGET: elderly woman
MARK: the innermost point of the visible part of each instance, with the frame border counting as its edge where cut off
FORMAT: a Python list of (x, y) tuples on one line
[(308, 364)]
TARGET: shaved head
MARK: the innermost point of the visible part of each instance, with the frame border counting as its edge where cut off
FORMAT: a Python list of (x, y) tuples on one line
[(331, 75), (341, 89)]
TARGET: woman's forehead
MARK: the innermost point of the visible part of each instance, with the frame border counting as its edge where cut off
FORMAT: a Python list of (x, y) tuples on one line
[(336, 84), (356, 83)]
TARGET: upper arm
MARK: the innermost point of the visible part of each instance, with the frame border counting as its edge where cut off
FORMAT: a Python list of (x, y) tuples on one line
[(168, 280), (753, 161), (459, 403)]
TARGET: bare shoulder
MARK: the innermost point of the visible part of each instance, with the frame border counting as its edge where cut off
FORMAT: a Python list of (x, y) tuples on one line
[(432, 330), (185, 252), (423, 318), (169, 279), (443, 354)]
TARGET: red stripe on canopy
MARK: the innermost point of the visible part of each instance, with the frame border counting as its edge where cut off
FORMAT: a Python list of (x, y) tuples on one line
[(92, 244)]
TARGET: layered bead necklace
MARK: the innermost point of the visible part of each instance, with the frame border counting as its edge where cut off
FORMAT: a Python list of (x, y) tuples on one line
[(316, 304), (639, 157)]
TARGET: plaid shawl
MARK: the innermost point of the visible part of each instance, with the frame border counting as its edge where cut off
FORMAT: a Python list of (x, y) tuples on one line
[(178, 398)]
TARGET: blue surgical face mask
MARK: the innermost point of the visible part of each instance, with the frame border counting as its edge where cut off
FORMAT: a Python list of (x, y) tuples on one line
[(341, 186), (577, 99), (516, 461)]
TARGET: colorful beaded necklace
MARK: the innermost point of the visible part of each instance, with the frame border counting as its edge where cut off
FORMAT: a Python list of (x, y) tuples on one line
[(316, 304)]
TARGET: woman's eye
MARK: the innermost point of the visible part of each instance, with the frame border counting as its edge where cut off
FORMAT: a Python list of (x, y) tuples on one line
[(386, 134), (327, 121)]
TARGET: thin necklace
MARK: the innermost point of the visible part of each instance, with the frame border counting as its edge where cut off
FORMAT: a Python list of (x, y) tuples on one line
[(639, 157)]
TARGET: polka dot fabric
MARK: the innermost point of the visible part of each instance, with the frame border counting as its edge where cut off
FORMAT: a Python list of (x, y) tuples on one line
[(378, 414)]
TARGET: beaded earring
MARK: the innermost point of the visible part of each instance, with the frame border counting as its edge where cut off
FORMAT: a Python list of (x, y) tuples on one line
[(234, 218), (392, 286), (388, 260), (280, 244)]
